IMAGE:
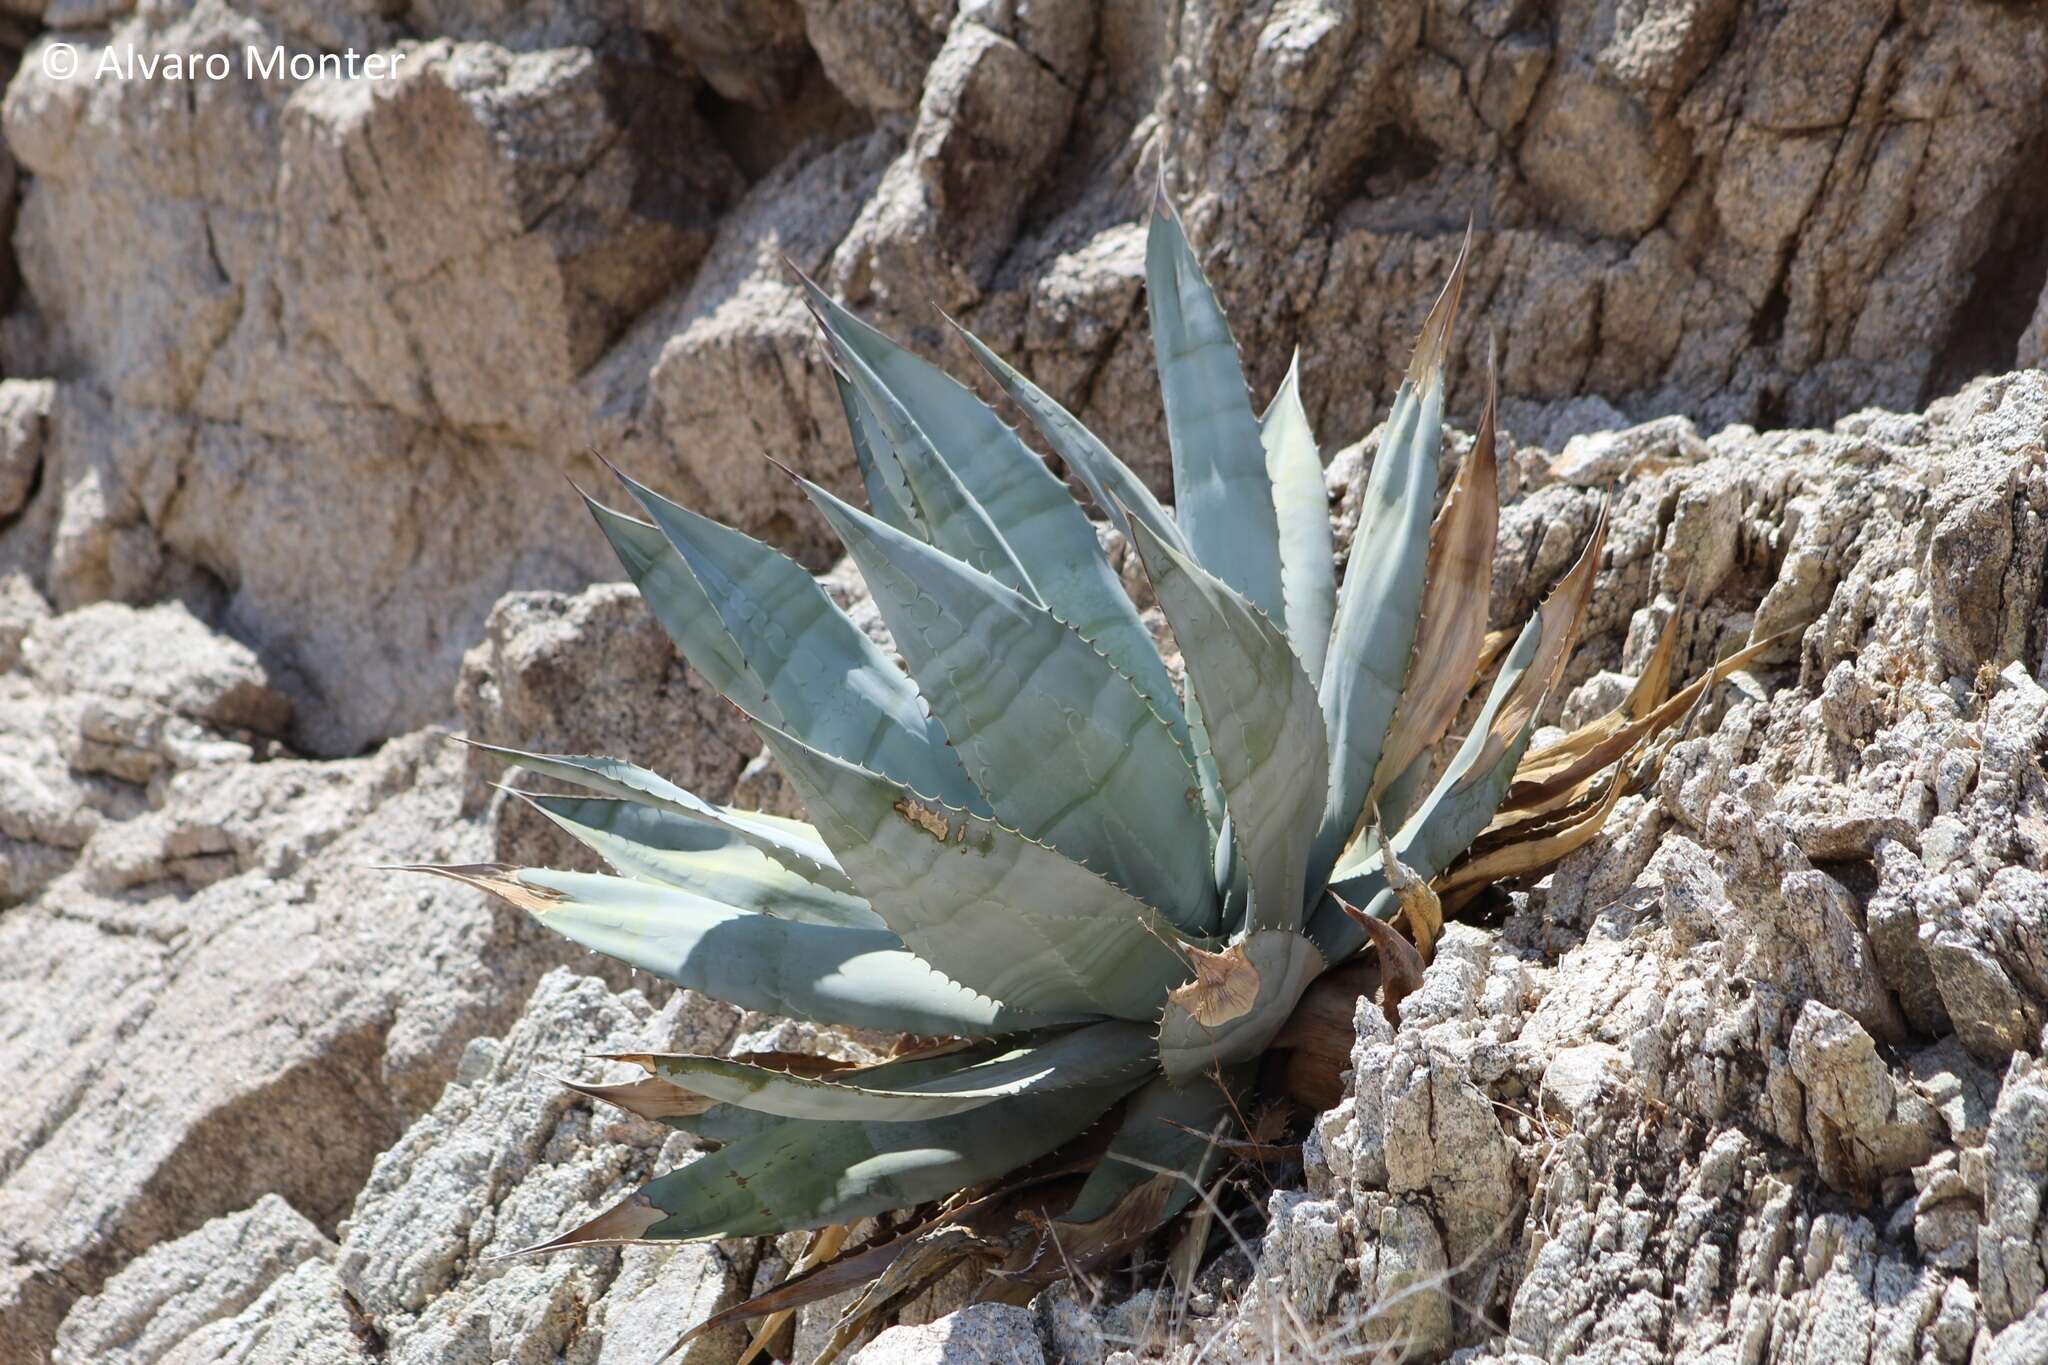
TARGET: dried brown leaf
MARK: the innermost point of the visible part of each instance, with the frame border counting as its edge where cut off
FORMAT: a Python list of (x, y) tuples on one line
[(1452, 627), (1225, 987), (1400, 964)]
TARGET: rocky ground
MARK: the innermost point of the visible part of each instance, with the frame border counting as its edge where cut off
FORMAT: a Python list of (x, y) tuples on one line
[(292, 371), (1756, 1075)]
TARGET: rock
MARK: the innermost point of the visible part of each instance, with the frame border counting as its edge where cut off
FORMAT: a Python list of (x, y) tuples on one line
[(996, 105), (751, 52), (24, 415), (21, 608), (993, 1333), (2012, 1247), (590, 673), (153, 1308), (292, 1012), (162, 657), (1583, 119), (298, 1009), (304, 1316), (1582, 1081), (263, 368), (2023, 1341), (1071, 1332), (1853, 1113), (508, 1158), (876, 54), (1402, 1276), (1303, 1251), (1594, 460)]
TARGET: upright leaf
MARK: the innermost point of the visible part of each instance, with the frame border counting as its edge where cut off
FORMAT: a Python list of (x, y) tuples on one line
[(889, 495), (988, 907), (1032, 511), (1221, 494), (1116, 490), (1264, 727), (954, 517), (831, 684), (1381, 602), (1456, 586), (678, 602), (1301, 506), (1067, 750)]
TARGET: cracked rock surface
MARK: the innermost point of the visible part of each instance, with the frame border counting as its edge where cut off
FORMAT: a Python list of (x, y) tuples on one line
[(317, 353), (292, 373)]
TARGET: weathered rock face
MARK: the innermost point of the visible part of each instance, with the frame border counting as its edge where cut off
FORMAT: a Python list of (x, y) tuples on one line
[(313, 353), (1754, 1073), (223, 1011), (1760, 1065), (294, 367)]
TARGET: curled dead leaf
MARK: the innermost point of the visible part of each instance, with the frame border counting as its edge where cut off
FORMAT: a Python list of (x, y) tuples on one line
[(1419, 905), (1225, 987), (1400, 964)]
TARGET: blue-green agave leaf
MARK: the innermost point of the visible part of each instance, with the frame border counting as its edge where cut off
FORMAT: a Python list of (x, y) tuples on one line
[(803, 1174), (1154, 1136), (1381, 603), (990, 908), (1091, 1055), (678, 602), (669, 849), (889, 494), (830, 683), (955, 518), (1116, 490), (1263, 725), (1036, 516), (862, 978), (1301, 506), (1067, 750), (1222, 496), (790, 842), (665, 1102)]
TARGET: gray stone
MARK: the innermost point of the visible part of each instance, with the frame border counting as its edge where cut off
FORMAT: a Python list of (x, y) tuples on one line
[(153, 1308), (508, 1158), (990, 1334), (293, 370)]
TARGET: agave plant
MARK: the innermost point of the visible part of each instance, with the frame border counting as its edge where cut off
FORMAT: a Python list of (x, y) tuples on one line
[(1088, 899)]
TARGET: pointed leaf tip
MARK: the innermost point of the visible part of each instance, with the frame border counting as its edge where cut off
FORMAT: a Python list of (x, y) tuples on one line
[(1433, 346), (626, 1221)]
